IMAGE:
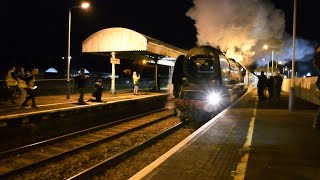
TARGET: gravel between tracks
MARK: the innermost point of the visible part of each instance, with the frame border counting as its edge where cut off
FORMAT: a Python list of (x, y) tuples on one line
[(72, 165), (134, 164)]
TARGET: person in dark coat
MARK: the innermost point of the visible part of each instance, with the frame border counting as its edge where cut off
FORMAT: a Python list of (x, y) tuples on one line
[(316, 64), (177, 76), (22, 84), (270, 87), (30, 80), (262, 83), (97, 93), (277, 86), (81, 80)]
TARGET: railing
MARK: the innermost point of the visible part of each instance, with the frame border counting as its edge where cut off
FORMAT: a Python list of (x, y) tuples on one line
[(304, 88)]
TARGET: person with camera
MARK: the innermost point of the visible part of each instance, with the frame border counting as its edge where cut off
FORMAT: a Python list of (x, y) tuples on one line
[(135, 79), (81, 80), (30, 80)]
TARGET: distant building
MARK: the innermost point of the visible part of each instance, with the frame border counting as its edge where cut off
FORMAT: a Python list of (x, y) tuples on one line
[(51, 73)]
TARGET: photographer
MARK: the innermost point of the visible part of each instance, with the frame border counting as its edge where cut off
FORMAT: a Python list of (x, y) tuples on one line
[(30, 80), (135, 79), (81, 80)]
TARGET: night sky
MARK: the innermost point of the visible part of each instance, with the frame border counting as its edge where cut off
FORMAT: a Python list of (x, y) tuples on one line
[(35, 32)]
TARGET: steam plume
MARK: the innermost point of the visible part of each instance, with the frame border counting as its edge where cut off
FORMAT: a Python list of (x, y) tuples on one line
[(241, 27)]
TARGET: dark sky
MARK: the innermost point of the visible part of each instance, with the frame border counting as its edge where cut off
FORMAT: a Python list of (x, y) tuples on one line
[(34, 33), (307, 14)]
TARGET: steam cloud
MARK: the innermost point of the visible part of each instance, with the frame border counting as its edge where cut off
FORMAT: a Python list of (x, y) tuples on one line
[(240, 28)]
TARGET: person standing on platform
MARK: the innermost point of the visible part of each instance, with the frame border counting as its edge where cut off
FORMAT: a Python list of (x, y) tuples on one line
[(81, 80), (136, 79), (97, 93), (270, 82), (316, 64), (277, 86), (11, 77), (177, 76), (31, 79), (22, 84), (262, 82), (12, 84)]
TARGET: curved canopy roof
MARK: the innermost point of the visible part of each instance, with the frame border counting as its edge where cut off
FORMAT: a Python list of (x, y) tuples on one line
[(127, 43)]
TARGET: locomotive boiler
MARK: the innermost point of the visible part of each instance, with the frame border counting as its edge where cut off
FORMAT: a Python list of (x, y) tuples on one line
[(205, 82)]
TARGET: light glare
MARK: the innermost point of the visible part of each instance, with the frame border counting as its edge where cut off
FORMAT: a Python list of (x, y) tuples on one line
[(265, 46), (214, 98), (85, 5)]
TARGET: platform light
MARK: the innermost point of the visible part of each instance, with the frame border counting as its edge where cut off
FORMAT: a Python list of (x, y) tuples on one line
[(144, 61)]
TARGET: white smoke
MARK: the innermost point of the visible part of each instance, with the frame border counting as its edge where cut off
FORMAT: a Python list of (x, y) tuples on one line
[(240, 28)]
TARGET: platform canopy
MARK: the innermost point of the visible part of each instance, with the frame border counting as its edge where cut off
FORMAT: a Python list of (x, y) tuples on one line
[(128, 44)]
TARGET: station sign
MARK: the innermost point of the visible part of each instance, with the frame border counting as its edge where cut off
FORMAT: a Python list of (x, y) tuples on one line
[(114, 61)]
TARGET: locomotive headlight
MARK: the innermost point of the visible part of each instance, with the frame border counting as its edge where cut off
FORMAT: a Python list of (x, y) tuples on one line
[(214, 98)]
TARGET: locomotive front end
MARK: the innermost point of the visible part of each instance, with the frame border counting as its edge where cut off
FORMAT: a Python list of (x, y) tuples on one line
[(201, 66), (201, 92)]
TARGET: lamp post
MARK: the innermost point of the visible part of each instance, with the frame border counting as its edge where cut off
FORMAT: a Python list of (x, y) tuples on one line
[(267, 68), (292, 93), (289, 73), (84, 5), (272, 55)]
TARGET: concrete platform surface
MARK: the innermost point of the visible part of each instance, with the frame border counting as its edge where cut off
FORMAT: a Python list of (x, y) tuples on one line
[(250, 140), (58, 102)]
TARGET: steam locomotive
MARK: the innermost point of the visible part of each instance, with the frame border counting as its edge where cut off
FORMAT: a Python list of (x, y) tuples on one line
[(206, 82)]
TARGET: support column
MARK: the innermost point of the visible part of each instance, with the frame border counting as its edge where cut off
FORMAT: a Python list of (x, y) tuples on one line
[(170, 85), (113, 74), (268, 70), (272, 55), (156, 75)]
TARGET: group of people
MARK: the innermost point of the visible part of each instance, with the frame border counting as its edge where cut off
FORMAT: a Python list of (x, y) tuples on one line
[(98, 87), (23, 83), (272, 85), (81, 81)]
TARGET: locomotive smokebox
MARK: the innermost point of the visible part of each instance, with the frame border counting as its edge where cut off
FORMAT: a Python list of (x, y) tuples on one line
[(201, 65)]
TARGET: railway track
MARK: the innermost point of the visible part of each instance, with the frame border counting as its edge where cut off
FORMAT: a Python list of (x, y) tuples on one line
[(23, 160), (120, 157), (24, 148)]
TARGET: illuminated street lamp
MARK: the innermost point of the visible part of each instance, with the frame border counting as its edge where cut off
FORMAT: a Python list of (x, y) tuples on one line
[(84, 5), (144, 61), (272, 55), (267, 67), (284, 68), (289, 72)]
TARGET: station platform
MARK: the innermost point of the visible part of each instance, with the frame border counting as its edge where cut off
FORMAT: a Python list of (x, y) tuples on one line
[(59, 103), (250, 140), (57, 115)]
